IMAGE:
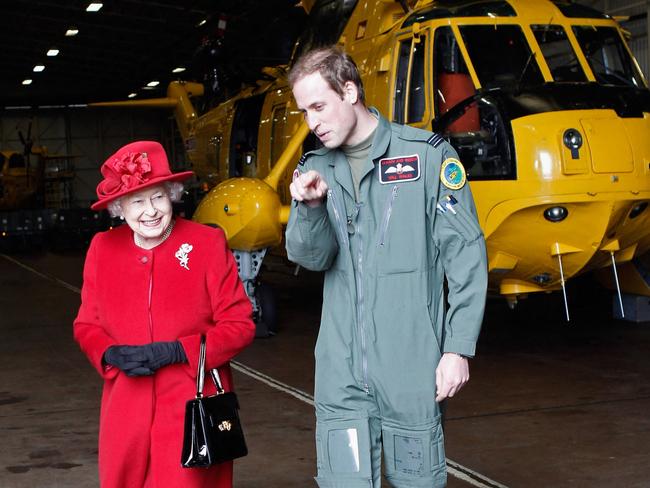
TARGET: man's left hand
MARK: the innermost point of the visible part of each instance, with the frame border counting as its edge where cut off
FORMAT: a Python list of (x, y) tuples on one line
[(451, 375)]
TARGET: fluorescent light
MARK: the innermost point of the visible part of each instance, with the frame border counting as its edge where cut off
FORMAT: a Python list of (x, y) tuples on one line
[(153, 83), (133, 95), (27, 82), (18, 107), (38, 68), (202, 22), (180, 69), (78, 105), (53, 52), (148, 88), (94, 7), (72, 31), (51, 106)]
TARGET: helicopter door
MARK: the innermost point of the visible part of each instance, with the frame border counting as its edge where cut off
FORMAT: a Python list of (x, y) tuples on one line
[(474, 125), (243, 137), (410, 101)]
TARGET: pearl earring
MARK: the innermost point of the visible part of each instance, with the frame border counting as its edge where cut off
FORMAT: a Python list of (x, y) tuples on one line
[(121, 217)]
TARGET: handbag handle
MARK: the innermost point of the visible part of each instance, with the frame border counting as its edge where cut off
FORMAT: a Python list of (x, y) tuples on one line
[(200, 374)]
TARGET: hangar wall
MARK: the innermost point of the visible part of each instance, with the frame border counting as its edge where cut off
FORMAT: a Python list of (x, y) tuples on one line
[(89, 136)]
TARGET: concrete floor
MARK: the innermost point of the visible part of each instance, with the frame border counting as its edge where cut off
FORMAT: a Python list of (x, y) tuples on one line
[(549, 404)]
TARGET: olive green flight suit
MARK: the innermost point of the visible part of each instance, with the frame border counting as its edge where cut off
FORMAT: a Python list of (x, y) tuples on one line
[(385, 323)]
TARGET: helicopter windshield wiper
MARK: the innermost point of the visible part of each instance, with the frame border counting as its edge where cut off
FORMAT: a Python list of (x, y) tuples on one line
[(523, 72)]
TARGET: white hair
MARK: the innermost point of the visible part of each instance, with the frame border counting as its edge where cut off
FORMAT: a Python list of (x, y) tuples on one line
[(174, 190)]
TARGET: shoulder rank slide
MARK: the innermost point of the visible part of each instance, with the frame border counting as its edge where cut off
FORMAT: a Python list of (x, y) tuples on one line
[(452, 174), (435, 140), (303, 158)]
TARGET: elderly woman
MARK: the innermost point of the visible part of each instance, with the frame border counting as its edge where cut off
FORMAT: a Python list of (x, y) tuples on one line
[(151, 289)]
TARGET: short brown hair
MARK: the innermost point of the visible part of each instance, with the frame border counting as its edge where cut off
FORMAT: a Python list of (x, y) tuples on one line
[(335, 66)]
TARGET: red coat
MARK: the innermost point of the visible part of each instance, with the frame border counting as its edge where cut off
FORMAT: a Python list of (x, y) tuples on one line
[(135, 296)]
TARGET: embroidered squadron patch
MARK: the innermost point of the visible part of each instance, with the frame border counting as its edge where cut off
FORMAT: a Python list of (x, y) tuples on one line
[(452, 174), (399, 169)]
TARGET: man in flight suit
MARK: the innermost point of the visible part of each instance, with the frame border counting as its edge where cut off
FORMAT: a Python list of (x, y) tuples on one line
[(385, 211)]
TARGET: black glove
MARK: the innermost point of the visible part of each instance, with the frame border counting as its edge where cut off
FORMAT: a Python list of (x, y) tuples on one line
[(158, 354), (122, 357), (146, 359)]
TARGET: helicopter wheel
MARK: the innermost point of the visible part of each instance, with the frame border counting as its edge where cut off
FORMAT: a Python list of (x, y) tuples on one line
[(267, 317)]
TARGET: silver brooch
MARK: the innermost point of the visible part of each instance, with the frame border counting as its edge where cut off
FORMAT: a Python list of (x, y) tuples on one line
[(182, 254)]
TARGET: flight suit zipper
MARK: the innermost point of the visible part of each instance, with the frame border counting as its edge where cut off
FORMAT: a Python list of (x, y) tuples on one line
[(387, 213), (359, 283), (360, 305)]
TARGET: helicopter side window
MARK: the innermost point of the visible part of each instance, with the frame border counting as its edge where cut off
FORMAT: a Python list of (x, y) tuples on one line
[(609, 60), (417, 101), (401, 79), (409, 83), (243, 136), (558, 53), (278, 125), (472, 124)]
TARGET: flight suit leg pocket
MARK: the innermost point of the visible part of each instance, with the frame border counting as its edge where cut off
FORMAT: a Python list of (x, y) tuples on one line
[(343, 451), (414, 455)]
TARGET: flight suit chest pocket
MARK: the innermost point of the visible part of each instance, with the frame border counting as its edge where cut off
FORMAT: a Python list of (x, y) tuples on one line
[(400, 230)]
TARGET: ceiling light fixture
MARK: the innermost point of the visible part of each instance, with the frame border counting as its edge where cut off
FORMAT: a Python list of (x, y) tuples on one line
[(27, 82), (180, 69), (133, 95), (94, 7), (202, 23), (153, 83), (38, 68), (53, 52), (72, 31)]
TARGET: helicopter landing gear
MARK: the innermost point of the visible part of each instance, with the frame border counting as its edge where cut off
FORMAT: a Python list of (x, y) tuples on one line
[(260, 294)]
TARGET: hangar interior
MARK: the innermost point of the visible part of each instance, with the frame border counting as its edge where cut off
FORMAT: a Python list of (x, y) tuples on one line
[(550, 402)]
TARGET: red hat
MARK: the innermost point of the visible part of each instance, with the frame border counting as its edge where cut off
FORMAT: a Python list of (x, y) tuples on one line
[(132, 168)]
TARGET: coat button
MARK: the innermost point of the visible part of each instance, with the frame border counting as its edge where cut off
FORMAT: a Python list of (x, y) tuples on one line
[(144, 259)]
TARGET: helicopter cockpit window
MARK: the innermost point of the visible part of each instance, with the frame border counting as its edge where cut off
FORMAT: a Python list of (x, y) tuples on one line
[(501, 55), (409, 82), (471, 123), (558, 53), (609, 60)]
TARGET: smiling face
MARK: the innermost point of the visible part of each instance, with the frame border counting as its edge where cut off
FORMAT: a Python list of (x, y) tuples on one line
[(332, 118), (148, 213)]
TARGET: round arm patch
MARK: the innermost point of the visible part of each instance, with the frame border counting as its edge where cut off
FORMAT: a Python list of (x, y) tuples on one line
[(452, 174)]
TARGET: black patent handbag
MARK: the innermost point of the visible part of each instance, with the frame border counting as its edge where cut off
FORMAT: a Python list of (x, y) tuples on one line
[(212, 433)]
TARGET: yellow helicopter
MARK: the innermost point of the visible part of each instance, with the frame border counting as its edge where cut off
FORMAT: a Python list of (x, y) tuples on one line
[(542, 99)]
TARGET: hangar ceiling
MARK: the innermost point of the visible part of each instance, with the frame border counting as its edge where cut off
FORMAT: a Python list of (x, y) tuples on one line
[(129, 43)]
